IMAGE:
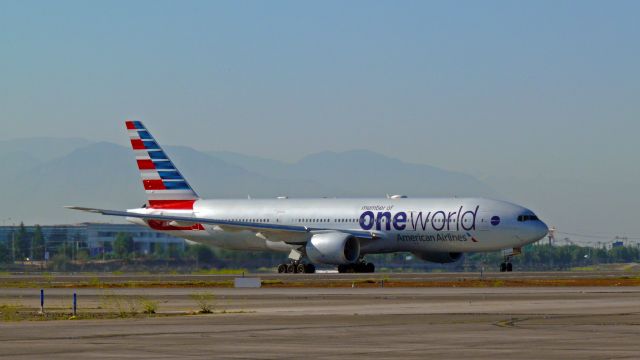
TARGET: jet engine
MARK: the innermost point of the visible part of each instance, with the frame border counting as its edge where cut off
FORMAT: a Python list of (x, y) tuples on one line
[(333, 248), (439, 257)]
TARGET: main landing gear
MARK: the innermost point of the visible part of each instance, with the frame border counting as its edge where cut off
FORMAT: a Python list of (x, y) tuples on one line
[(359, 267), (296, 267)]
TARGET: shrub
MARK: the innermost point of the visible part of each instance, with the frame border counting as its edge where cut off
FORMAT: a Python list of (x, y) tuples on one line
[(149, 306), (204, 300)]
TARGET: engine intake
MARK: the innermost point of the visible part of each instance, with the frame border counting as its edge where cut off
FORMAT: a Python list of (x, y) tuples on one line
[(333, 248)]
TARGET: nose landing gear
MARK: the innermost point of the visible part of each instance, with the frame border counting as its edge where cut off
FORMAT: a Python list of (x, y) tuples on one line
[(506, 266), (508, 254)]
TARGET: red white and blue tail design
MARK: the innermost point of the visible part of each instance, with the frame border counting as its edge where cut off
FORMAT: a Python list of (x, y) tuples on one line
[(166, 188)]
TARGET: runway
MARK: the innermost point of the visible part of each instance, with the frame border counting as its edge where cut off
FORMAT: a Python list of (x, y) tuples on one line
[(336, 323)]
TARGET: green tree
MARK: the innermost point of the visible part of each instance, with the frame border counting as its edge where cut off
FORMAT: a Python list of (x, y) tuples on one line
[(59, 261), (123, 245), (160, 251), (82, 255), (37, 244), (5, 252), (175, 251), (202, 254), (23, 243), (63, 250)]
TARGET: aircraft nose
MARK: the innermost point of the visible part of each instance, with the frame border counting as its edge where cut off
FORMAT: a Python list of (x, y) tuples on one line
[(533, 231), (536, 230), (541, 230)]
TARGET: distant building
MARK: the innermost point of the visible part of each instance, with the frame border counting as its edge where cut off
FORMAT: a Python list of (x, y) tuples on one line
[(96, 237)]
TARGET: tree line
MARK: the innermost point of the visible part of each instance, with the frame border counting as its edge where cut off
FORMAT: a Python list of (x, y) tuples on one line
[(548, 257), (537, 257), (23, 245)]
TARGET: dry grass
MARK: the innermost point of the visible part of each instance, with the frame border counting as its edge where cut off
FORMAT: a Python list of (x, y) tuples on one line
[(293, 282), (29, 315), (466, 283)]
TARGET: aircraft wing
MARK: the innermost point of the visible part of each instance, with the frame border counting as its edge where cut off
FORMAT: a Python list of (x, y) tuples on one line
[(224, 224)]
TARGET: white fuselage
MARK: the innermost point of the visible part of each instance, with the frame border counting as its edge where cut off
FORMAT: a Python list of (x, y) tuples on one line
[(414, 225)]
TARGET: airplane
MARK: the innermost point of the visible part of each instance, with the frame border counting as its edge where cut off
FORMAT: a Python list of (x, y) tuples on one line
[(324, 231)]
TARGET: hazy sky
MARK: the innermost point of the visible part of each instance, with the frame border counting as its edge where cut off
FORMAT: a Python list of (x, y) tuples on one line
[(539, 89)]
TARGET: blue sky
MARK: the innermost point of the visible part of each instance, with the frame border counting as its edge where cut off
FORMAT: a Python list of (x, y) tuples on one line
[(539, 90)]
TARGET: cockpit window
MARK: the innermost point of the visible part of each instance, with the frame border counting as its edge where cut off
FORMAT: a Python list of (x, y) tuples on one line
[(522, 218)]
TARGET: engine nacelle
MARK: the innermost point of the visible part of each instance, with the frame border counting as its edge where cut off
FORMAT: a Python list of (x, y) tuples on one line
[(439, 257), (333, 248)]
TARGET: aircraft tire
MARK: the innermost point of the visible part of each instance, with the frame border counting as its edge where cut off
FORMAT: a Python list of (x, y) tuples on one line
[(310, 269), (282, 269), (370, 268), (509, 267), (503, 267), (346, 268)]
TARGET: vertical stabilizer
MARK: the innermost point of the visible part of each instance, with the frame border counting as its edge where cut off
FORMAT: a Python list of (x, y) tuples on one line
[(165, 186)]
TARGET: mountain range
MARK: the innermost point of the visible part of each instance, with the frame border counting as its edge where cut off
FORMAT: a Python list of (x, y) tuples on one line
[(41, 175)]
